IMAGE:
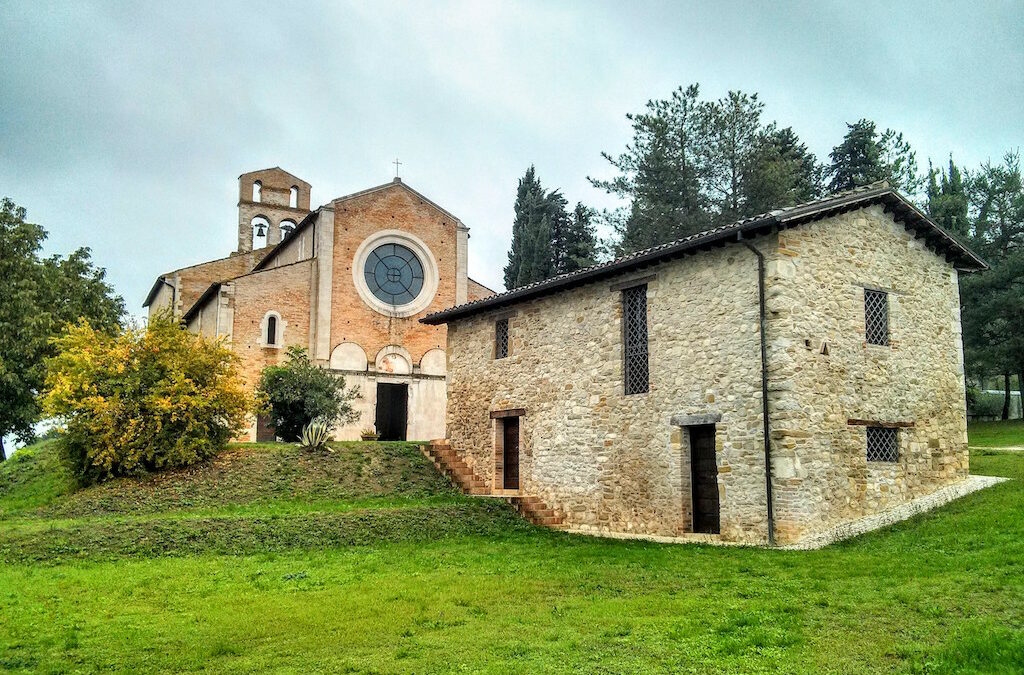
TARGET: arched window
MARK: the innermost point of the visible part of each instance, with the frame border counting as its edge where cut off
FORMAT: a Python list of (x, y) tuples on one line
[(272, 330), (260, 230), (257, 191), (287, 227), (293, 198), (271, 337)]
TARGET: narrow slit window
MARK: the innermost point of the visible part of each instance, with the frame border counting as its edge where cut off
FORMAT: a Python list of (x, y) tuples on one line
[(271, 330), (636, 375), (883, 444), (501, 338), (293, 197), (876, 317)]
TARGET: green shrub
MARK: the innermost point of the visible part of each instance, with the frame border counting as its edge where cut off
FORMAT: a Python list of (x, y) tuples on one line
[(143, 400), (298, 392)]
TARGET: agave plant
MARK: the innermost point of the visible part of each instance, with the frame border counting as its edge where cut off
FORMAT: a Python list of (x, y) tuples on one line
[(315, 434)]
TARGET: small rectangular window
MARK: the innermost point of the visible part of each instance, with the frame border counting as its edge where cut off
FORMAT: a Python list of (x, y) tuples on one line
[(634, 338), (883, 444), (876, 317), (501, 338)]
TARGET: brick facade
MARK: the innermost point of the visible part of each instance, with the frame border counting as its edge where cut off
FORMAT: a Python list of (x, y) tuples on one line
[(307, 282)]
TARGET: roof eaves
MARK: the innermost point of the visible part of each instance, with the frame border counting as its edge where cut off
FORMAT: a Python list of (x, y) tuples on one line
[(151, 296), (786, 217), (198, 304)]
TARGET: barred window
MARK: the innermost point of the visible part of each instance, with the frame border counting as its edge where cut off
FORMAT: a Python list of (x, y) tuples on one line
[(634, 334), (501, 338), (883, 444), (876, 317)]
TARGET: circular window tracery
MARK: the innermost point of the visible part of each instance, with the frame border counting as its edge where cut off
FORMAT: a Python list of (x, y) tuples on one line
[(393, 274)]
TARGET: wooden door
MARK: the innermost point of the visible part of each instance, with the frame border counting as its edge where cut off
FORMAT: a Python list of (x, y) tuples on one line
[(704, 472), (510, 453)]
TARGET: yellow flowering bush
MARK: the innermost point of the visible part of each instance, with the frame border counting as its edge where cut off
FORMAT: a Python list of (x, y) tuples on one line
[(143, 400)]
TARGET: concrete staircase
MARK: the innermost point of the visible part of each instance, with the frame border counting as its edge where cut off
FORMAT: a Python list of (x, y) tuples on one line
[(462, 476)]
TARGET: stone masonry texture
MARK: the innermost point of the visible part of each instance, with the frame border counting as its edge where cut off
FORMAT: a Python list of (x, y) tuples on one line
[(614, 463)]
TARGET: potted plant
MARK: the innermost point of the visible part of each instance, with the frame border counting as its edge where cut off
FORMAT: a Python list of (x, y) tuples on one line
[(369, 434)]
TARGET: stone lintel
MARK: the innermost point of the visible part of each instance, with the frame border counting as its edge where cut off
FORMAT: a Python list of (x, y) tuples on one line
[(682, 420), (510, 412), (876, 423), (632, 283)]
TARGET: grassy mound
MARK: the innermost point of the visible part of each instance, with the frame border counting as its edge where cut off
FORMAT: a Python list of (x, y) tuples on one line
[(250, 499)]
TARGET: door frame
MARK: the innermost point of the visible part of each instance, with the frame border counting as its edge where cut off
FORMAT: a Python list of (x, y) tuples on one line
[(693, 482), (498, 417)]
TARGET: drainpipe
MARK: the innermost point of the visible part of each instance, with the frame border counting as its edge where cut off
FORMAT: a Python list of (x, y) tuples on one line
[(764, 388)]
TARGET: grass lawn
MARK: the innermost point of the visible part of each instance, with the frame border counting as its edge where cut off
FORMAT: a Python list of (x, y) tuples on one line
[(366, 561), (997, 434)]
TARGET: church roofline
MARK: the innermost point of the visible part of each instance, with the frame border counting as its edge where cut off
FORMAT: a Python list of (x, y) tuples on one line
[(311, 216), (942, 242)]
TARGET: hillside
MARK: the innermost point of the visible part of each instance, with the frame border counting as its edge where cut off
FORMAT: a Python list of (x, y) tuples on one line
[(251, 498), (365, 560)]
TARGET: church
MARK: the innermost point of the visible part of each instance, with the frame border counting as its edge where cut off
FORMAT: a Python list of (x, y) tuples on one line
[(349, 282)]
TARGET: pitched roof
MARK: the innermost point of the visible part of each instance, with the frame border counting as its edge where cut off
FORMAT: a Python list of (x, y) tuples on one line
[(902, 209), (310, 218), (197, 306)]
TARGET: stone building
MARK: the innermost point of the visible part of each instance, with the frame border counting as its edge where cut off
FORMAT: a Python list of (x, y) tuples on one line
[(761, 381), (347, 281)]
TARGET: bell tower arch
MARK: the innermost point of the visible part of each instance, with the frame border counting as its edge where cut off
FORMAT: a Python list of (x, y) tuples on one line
[(268, 199)]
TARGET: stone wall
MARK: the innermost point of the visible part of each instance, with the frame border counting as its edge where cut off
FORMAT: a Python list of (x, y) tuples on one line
[(816, 301), (616, 463), (612, 462)]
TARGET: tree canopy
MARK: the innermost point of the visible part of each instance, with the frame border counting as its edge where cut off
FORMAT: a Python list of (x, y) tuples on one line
[(40, 296), (547, 239)]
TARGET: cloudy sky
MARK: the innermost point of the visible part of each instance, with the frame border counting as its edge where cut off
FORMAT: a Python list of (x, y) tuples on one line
[(124, 126)]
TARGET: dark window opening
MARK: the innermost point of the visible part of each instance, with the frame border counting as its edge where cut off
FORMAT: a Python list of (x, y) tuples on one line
[(876, 317), (271, 330), (883, 444), (634, 328), (501, 339)]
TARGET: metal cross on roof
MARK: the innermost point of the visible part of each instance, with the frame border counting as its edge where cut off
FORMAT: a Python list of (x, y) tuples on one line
[(396, 163)]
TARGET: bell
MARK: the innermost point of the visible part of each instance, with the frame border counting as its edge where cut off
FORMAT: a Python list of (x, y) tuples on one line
[(261, 231)]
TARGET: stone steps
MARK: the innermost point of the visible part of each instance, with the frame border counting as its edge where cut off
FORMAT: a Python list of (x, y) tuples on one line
[(455, 469)]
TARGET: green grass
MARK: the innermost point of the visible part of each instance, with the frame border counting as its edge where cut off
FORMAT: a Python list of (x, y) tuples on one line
[(425, 580), (997, 434)]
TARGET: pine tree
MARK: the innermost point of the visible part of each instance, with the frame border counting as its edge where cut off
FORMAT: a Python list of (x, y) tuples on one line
[(662, 172), (735, 132), (865, 156), (782, 172)]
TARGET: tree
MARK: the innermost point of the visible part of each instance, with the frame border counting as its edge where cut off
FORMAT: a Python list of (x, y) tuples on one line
[(39, 298), (693, 163), (143, 399), (547, 240), (298, 392), (662, 172), (782, 172), (947, 200), (531, 234), (735, 132), (993, 301), (578, 248), (865, 156)]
